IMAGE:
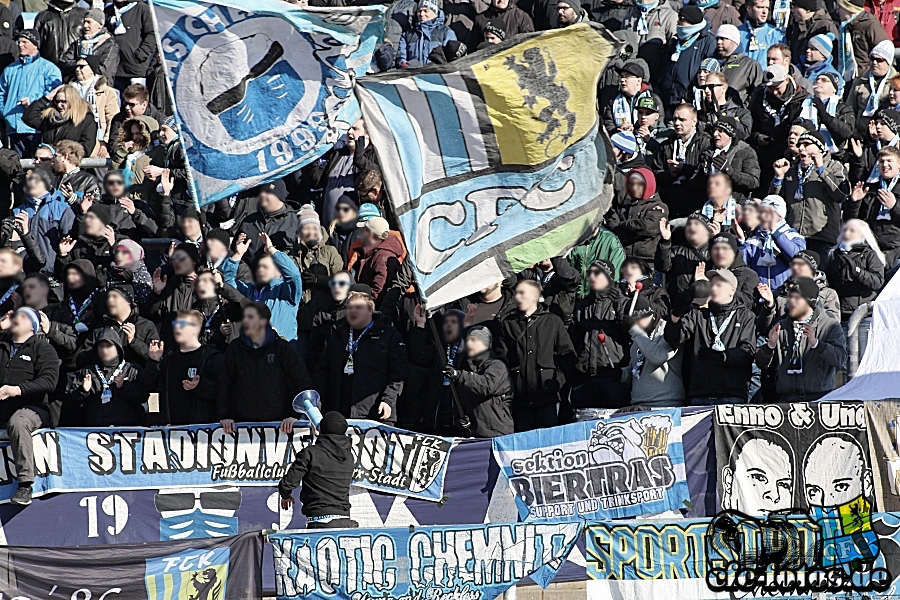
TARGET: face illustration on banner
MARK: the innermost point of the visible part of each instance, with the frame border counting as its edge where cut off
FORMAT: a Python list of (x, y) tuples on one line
[(759, 478), (202, 512), (835, 472)]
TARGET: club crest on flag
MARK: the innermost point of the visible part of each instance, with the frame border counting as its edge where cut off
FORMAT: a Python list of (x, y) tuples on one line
[(497, 160), (188, 575)]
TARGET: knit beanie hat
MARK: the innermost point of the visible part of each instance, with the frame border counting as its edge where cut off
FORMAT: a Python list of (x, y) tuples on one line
[(727, 125), (481, 333), (32, 315), (124, 290), (890, 118), (333, 423), (170, 122), (102, 212), (810, 257), (219, 234), (573, 4), (189, 249), (691, 13), (624, 141), (132, 248), (96, 15), (808, 288), (776, 203), (367, 211), (710, 65), (308, 215), (496, 28), (606, 267), (725, 237), (824, 43), (94, 63), (429, 4), (813, 138), (883, 50)]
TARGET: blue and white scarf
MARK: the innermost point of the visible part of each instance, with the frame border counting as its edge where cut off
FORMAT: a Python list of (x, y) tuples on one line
[(116, 19), (803, 174), (730, 209), (846, 56), (874, 95), (643, 27), (884, 213), (770, 250), (623, 110), (809, 112)]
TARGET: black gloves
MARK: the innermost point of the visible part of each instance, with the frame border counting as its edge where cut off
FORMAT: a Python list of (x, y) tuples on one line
[(719, 161), (309, 278), (450, 372)]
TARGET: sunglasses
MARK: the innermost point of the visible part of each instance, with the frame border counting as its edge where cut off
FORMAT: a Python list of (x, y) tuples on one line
[(338, 283), (878, 59), (80, 66), (43, 159), (182, 323), (179, 256), (60, 101), (344, 209), (131, 104), (113, 181)]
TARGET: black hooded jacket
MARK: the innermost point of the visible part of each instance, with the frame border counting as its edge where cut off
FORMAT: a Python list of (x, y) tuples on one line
[(138, 351), (138, 43), (178, 406), (679, 263), (125, 407), (600, 313), (57, 27), (280, 225), (326, 471), (485, 393), (96, 250)]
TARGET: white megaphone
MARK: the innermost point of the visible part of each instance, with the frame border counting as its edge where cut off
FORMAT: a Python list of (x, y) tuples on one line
[(307, 402)]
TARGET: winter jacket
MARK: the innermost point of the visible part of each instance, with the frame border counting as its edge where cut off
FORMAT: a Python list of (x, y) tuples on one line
[(96, 250), (717, 374), (34, 369), (323, 325), (281, 226), (679, 263), (787, 109), (134, 275), (747, 279), (708, 115), (858, 98), (559, 286), (800, 32), (321, 261), (677, 76), (721, 13), (743, 74), (138, 43), (600, 313), (116, 124), (259, 384), (31, 77), (50, 220), (378, 265), (886, 13), (540, 355), (604, 245), (609, 13), (485, 393), (817, 215), (325, 470), (103, 46), (856, 275), (886, 230), (379, 365), (137, 352), (107, 108), (840, 127), (773, 268), (512, 19), (763, 37), (828, 301), (661, 24), (83, 183), (399, 16), (636, 221), (741, 164), (85, 133), (202, 409), (125, 407), (417, 42), (57, 27), (654, 369), (282, 295), (865, 33), (818, 365), (676, 190)]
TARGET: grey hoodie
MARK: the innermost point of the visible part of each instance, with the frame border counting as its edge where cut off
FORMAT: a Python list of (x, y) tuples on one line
[(659, 383)]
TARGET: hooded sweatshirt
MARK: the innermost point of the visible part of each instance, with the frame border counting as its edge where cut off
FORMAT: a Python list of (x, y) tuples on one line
[(418, 42), (326, 471), (636, 221), (379, 265)]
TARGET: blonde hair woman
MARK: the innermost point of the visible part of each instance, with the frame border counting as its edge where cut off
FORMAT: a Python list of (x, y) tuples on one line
[(94, 88), (63, 115)]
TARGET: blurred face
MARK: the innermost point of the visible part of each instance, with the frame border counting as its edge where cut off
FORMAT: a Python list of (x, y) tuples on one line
[(451, 328), (800, 14), (894, 95), (725, 47), (34, 185), (43, 155), (122, 257), (717, 190), (190, 227), (134, 107), (358, 129), (889, 166), (750, 216), (684, 122), (359, 314), (368, 238), (205, 286), (490, 38), (636, 186), (114, 185), (797, 307), (215, 249), (565, 13), (801, 268), (722, 255), (758, 11), (852, 233), (701, 75), (60, 101), (768, 218), (647, 118), (252, 324), (34, 292), (137, 134), (181, 263), (117, 306), (269, 202), (629, 84), (823, 88), (475, 346), (345, 213), (598, 280), (696, 233), (91, 27), (813, 56), (311, 233), (720, 291), (107, 352), (83, 71), (775, 57), (880, 67), (720, 138), (266, 271), (167, 134), (339, 286), (631, 272), (26, 48), (93, 226), (805, 156), (74, 278), (185, 330), (425, 14), (527, 297)]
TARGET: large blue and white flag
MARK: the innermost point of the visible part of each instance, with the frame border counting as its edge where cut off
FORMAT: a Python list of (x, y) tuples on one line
[(261, 88), (495, 161)]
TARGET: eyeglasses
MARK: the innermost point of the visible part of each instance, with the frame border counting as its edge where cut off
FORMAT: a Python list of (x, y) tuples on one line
[(60, 101), (338, 283), (182, 323), (115, 182)]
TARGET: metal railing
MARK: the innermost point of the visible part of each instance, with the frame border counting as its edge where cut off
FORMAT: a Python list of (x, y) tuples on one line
[(87, 163)]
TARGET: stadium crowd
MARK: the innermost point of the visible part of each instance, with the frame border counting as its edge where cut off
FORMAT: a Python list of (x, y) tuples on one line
[(755, 217)]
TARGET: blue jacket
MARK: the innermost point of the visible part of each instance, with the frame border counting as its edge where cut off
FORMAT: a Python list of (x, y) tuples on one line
[(766, 36), (281, 295), (823, 66), (418, 42), (53, 222), (677, 78), (29, 77), (775, 268)]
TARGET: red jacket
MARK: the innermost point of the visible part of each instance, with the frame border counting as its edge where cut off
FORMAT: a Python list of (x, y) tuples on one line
[(885, 11), (379, 264)]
